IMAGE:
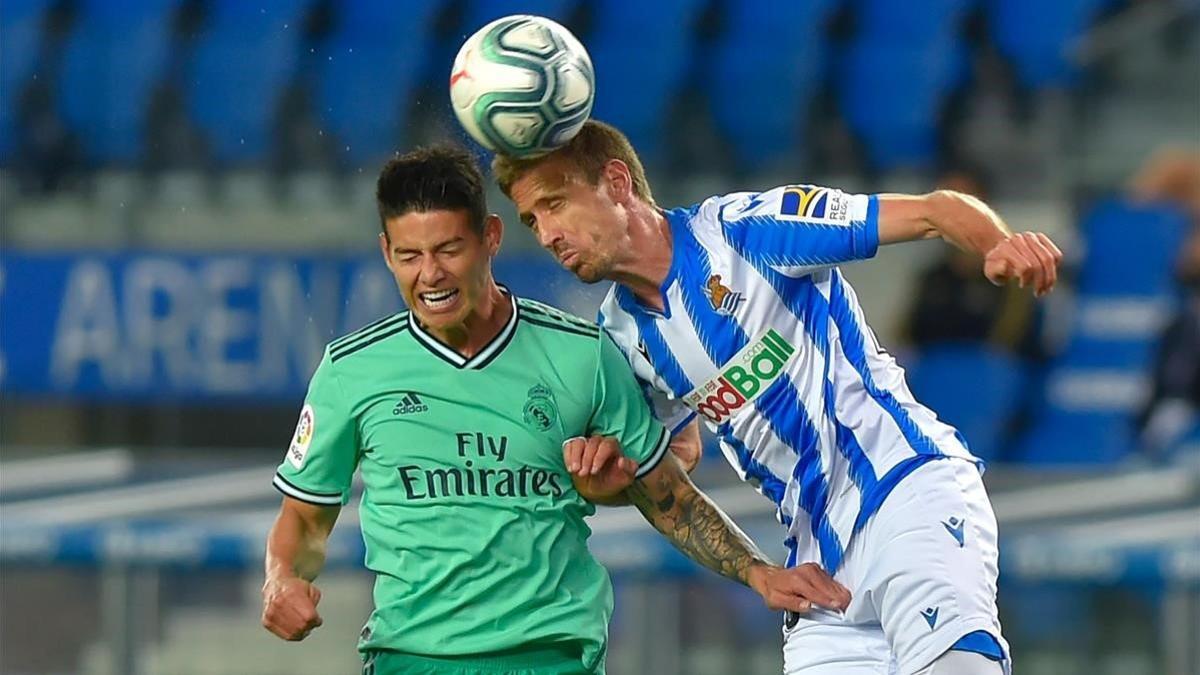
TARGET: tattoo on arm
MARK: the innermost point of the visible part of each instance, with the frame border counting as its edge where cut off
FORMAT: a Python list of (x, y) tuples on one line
[(693, 523)]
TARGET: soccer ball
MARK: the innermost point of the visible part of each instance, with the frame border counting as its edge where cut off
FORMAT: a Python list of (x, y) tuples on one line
[(522, 85)]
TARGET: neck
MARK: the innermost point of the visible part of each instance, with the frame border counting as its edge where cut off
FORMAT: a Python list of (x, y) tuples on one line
[(649, 255), (480, 326)]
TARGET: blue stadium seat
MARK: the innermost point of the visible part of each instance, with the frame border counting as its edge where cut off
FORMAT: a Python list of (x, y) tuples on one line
[(368, 76), (110, 66), (479, 13), (641, 52), (976, 390), (892, 95), (1036, 35), (20, 40), (763, 72), (246, 56), (1130, 248), (915, 21), (1067, 438)]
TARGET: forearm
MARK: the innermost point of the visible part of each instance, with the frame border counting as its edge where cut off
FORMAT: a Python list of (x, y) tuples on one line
[(965, 221), (697, 527), (295, 547)]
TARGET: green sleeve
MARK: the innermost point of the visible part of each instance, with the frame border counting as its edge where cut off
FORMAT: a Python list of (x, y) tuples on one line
[(320, 461), (620, 410)]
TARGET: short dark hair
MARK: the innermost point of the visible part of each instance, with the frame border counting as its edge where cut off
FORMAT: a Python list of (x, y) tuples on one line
[(434, 178)]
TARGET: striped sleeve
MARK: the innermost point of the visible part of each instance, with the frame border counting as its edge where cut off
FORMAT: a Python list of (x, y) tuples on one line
[(801, 229)]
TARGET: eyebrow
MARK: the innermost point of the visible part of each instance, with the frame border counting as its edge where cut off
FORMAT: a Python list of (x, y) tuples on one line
[(438, 247)]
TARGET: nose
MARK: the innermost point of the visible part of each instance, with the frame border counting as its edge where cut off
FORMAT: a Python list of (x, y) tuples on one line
[(548, 234), (431, 272)]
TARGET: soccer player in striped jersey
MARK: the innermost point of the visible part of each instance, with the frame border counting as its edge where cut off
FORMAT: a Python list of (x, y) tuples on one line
[(734, 311), (466, 416)]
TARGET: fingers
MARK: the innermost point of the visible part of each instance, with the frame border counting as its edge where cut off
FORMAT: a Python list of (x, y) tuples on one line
[(1029, 257), (573, 453), (628, 466), (589, 456), (813, 583)]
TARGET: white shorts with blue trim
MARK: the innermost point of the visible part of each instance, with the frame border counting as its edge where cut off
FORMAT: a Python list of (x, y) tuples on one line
[(923, 575)]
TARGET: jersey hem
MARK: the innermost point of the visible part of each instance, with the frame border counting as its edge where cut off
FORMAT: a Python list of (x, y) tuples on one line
[(660, 451), (280, 483)]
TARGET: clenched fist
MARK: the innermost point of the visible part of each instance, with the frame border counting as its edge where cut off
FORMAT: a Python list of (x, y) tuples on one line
[(290, 607)]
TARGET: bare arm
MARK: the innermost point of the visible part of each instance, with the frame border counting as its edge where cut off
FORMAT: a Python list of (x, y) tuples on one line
[(295, 556), (702, 531), (1030, 258)]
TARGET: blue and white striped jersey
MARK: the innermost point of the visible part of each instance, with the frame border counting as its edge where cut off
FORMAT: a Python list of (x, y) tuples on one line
[(763, 338)]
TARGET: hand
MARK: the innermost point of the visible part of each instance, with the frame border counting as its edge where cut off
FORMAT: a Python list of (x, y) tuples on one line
[(290, 607), (597, 467), (1029, 257), (797, 589)]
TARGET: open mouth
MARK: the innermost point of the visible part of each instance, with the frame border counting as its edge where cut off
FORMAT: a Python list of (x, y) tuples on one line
[(436, 300)]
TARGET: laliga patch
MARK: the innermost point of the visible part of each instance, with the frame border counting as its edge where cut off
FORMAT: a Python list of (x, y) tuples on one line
[(814, 204), (303, 436)]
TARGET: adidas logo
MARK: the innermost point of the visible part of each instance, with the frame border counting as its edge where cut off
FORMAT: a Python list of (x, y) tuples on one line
[(410, 404)]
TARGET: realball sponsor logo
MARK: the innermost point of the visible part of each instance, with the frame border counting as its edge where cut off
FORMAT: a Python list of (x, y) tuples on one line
[(743, 379)]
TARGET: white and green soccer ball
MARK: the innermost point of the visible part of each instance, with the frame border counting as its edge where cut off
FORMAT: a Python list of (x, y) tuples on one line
[(522, 85)]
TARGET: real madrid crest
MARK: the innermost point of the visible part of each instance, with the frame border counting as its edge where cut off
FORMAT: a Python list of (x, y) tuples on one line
[(541, 412)]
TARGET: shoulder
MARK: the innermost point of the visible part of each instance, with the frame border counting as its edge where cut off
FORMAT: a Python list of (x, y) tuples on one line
[(374, 335), (548, 318)]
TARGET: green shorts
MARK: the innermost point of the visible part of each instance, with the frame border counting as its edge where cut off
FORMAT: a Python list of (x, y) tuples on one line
[(537, 661)]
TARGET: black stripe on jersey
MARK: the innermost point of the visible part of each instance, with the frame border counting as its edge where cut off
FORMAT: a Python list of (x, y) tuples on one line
[(371, 328), (307, 496), (565, 318), (566, 328), (660, 451), (499, 349), (367, 343)]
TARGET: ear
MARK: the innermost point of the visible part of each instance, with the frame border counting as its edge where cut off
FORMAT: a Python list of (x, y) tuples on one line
[(620, 182), (493, 233), (384, 245)]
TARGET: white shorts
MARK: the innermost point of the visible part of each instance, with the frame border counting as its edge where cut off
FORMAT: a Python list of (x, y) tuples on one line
[(923, 574)]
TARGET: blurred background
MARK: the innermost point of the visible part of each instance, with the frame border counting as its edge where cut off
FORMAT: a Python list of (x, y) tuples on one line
[(187, 216)]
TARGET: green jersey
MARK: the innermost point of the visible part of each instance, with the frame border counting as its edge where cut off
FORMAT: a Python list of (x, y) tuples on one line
[(471, 522)]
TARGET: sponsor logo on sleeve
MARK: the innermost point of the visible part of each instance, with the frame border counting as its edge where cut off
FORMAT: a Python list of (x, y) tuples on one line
[(742, 379), (810, 203), (303, 436)]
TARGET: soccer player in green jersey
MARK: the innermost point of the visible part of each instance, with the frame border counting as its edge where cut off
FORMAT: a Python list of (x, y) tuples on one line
[(458, 413)]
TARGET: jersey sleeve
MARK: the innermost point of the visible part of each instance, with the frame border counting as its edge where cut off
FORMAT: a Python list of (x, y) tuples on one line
[(619, 410), (320, 461), (801, 229)]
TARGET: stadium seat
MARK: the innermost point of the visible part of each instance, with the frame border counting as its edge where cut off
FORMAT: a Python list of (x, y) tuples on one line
[(479, 13), (110, 66), (1071, 438), (367, 78), (892, 96), (770, 63), (919, 21), (633, 50), (20, 42), (1131, 248), (245, 57), (1035, 36), (976, 390)]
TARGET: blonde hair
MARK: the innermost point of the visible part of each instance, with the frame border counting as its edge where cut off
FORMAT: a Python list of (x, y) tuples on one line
[(588, 151)]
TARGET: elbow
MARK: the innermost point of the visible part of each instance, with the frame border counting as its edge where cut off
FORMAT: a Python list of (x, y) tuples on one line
[(688, 453)]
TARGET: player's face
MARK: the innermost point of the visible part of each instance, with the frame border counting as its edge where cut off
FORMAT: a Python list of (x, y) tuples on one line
[(443, 268), (580, 224)]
